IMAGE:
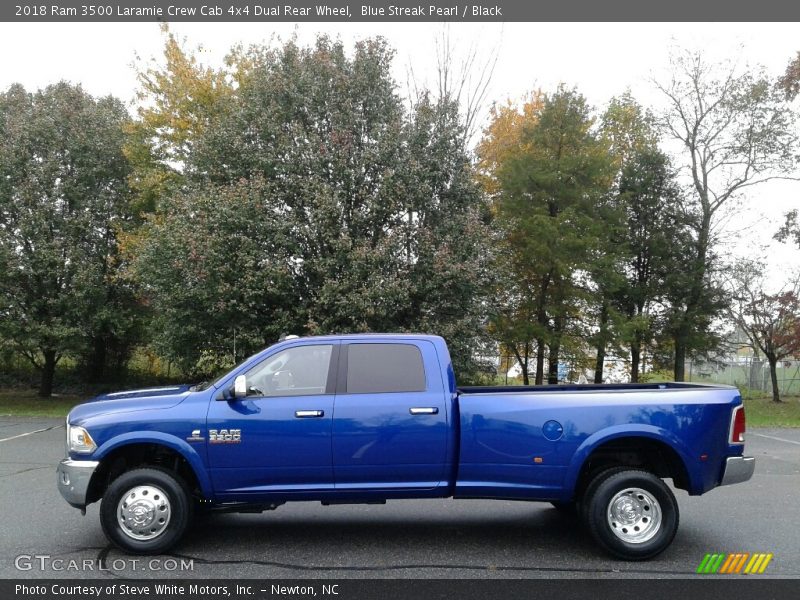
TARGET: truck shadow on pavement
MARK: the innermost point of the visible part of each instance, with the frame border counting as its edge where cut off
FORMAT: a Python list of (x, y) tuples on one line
[(377, 539)]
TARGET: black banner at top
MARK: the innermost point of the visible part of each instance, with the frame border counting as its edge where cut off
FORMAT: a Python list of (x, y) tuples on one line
[(397, 10)]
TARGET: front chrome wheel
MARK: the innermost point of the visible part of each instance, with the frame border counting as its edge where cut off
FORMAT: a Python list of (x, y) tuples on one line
[(634, 515), (144, 512)]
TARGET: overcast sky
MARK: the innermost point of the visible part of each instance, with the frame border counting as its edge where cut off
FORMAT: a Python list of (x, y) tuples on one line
[(601, 59)]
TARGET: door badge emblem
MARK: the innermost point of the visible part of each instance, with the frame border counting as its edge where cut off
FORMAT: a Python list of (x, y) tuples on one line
[(195, 437), (224, 436)]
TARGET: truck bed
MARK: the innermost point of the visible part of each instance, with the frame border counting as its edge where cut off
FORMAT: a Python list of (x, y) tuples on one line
[(586, 387)]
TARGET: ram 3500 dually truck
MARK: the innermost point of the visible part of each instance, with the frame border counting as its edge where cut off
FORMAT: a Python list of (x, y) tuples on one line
[(370, 418)]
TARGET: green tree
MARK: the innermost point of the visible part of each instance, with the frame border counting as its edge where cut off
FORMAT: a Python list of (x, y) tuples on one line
[(217, 265), (512, 309), (63, 198), (627, 130), (643, 231), (372, 211), (657, 236), (177, 102), (548, 193)]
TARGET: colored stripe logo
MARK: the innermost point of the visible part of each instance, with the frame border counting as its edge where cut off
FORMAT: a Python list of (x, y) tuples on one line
[(743, 563)]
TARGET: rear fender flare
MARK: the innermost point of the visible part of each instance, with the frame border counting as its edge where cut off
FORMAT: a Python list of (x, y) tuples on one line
[(608, 434)]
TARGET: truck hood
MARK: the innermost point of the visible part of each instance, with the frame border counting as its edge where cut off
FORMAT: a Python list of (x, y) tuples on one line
[(128, 401), (166, 390)]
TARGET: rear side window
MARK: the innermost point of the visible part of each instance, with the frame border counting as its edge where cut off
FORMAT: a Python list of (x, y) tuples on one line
[(377, 368)]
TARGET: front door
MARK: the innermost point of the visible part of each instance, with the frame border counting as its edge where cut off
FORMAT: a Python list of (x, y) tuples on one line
[(278, 438)]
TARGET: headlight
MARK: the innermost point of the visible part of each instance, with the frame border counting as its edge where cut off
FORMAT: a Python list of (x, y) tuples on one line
[(79, 440)]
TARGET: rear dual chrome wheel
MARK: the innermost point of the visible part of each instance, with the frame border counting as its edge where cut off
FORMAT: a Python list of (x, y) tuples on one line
[(631, 513), (634, 515)]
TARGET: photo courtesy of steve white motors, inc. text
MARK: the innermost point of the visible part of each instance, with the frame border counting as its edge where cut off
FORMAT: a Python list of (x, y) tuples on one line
[(144, 589)]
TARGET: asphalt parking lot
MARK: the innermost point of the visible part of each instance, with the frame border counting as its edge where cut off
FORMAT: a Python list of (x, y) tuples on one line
[(408, 538)]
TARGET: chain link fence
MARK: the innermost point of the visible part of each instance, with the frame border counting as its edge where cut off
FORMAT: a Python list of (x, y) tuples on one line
[(748, 372), (742, 372)]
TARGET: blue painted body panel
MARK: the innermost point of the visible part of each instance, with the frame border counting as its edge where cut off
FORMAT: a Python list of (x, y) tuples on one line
[(162, 419), (277, 451), (480, 443), (501, 434), (378, 444)]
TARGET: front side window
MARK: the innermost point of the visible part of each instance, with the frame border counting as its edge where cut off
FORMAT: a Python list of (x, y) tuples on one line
[(299, 371), (381, 368)]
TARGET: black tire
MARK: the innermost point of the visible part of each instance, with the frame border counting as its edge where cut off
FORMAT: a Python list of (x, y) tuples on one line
[(648, 510), (177, 505)]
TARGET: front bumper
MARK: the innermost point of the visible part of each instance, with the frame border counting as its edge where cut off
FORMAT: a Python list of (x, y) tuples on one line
[(738, 469), (73, 478)]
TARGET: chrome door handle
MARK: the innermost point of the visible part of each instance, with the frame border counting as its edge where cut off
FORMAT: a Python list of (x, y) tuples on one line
[(309, 414), (431, 410)]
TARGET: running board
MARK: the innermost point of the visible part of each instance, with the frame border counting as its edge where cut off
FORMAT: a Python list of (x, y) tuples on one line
[(244, 507)]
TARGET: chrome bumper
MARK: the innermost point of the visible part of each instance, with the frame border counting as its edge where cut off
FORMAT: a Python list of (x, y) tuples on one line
[(73, 478), (738, 469)]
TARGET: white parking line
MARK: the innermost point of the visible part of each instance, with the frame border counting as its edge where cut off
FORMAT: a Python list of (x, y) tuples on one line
[(771, 437), (14, 437)]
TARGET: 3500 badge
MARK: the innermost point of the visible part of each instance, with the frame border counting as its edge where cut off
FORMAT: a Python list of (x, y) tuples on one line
[(224, 436)]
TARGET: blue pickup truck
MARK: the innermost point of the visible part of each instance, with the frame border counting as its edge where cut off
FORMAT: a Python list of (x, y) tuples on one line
[(370, 418)]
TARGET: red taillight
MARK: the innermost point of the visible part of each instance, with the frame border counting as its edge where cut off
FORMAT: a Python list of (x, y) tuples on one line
[(737, 425)]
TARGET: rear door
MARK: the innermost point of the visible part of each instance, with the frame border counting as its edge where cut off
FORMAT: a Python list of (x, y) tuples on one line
[(390, 421)]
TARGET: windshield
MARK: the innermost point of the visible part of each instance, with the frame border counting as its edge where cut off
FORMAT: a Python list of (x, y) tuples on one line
[(207, 384)]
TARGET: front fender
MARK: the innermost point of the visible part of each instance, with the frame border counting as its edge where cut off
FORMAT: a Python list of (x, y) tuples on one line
[(170, 441), (627, 430)]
